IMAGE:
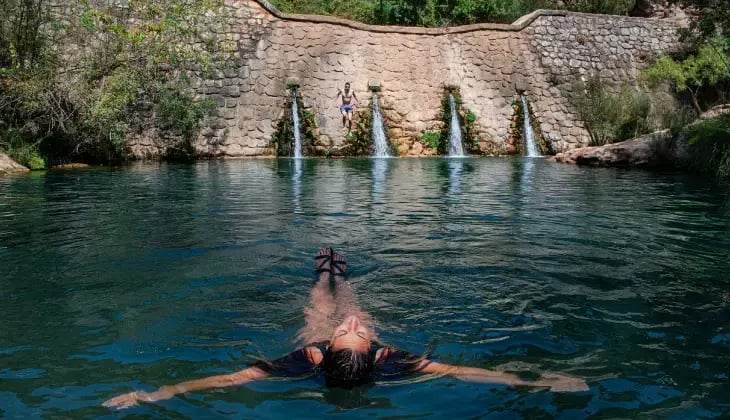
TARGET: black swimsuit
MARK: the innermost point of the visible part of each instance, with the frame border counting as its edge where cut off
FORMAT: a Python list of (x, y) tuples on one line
[(393, 365)]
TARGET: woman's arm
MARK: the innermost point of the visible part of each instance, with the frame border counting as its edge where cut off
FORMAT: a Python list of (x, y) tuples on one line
[(557, 383), (168, 391)]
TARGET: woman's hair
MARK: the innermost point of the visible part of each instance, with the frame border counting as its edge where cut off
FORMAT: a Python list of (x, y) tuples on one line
[(348, 368)]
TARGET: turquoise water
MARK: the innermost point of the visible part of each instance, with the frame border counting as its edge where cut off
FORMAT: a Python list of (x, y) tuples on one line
[(120, 279)]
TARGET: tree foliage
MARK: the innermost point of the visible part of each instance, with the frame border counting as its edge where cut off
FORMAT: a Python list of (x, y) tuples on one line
[(705, 68), (437, 13), (709, 150), (129, 57), (21, 38), (610, 115), (712, 18)]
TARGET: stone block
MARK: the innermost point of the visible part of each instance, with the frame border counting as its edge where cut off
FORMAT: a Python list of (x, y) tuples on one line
[(218, 123), (227, 113), (230, 91)]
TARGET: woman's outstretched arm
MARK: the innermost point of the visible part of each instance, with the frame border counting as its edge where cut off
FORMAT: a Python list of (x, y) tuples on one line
[(557, 383), (168, 391)]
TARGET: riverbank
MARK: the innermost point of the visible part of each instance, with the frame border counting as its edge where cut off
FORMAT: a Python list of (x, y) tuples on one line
[(703, 146), (8, 165)]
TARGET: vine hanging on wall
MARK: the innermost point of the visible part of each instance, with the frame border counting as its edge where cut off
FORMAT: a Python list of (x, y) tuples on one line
[(359, 142), (517, 130), (283, 138), (467, 122)]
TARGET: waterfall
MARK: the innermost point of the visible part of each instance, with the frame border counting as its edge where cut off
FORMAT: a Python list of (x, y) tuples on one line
[(455, 147), (380, 142), (295, 121), (529, 134)]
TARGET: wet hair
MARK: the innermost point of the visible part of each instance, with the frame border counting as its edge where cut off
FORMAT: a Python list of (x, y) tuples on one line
[(348, 368)]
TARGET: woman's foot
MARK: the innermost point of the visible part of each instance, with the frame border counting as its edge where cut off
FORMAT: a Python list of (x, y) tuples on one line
[(338, 266), (323, 263)]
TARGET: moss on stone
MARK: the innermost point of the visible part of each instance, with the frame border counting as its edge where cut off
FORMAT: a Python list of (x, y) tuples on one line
[(283, 138), (517, 130)]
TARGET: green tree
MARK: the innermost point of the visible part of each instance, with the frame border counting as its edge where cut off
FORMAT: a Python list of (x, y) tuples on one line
[(21, 37), (705, 68), (712, 18), (611, 7)]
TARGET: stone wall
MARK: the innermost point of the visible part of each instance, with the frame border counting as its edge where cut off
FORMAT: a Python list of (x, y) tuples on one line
[(542, 53)]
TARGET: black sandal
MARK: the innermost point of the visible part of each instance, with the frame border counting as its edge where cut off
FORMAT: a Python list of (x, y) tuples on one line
[(325, 258), (337, 266)]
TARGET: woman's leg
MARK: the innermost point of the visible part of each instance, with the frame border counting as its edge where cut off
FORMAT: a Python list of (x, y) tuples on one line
[(318, 317), (345, 299)]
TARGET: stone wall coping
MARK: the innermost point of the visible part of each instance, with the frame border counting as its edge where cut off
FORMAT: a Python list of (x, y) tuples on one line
[(516, 26)]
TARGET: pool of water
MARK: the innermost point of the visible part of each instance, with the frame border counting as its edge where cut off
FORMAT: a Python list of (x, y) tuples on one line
[(119, 279)]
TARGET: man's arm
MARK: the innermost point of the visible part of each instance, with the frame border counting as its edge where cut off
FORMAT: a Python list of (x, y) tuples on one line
[(168, 391), (557, 383)]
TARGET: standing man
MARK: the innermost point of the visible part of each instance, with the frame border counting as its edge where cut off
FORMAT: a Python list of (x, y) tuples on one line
[(349, 99)]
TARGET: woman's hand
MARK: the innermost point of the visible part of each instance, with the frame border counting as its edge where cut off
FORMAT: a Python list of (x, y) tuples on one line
[(131, 399), (168, 391), (560, 383), (125, 400)]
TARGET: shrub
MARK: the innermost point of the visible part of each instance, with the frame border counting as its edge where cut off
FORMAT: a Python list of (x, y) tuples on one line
[(282, 140), (21, 149), (359, 141), (180, 116), (709, 147), (706, 67), (611, 114)]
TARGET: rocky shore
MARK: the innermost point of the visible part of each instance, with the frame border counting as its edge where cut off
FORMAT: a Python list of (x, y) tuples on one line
[(652, 150), (8, 165)]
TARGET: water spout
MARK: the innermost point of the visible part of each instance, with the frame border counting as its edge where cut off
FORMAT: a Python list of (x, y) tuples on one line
[(455, 147), (295, 121), (380, 141), (529, 134)]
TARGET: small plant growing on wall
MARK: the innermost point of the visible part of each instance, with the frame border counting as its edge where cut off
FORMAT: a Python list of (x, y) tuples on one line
[(359, 142), (178, 117), (283, 138), (431, 139), (467, 122), (517, 129)]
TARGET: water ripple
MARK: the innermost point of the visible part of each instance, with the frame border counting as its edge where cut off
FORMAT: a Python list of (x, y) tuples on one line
[(158, 273)]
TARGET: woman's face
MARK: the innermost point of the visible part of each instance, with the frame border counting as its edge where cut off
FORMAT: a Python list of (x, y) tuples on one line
[(352, 335)]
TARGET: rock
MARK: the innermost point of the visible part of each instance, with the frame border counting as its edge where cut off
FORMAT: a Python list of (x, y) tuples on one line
[(8, 165), (71, 166), (652, 150)]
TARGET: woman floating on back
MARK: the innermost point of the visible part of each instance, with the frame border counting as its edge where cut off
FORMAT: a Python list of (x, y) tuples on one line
[(340, 344)]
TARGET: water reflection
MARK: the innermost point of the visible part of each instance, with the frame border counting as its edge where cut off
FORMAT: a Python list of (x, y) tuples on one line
[(296, 179), (180, 271), (526, 179), (379, 169), (456, 169)]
